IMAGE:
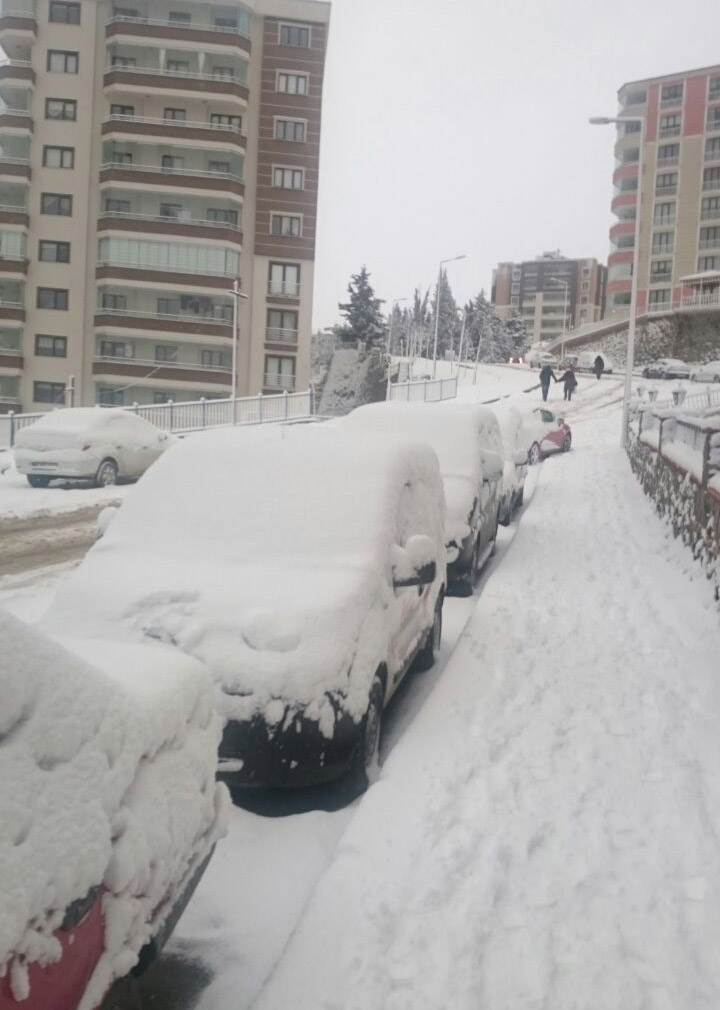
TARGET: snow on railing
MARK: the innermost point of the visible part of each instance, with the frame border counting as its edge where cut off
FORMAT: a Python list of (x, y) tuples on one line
[(425, 390)]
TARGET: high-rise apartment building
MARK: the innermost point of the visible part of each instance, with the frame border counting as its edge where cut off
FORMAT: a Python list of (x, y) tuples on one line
[(152, 152), (552, 294), (680, 194)]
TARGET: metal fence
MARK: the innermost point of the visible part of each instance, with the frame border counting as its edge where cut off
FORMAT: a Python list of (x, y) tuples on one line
[(424, 390), (197, 414)]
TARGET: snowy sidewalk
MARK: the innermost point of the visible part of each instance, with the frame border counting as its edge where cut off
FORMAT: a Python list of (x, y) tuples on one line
[(547, 832)]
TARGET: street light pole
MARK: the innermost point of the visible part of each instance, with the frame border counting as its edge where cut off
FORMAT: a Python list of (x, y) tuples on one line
[(237, 295), (437, 307), (632, 323)]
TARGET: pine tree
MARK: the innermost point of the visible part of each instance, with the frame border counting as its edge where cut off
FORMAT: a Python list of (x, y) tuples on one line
[(517, 333), (365, 323), (448, 325)]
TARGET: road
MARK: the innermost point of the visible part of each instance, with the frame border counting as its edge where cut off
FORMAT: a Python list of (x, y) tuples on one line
[(47, 539)]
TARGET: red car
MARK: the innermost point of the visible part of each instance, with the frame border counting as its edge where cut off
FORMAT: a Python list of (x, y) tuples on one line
[(548, 434), (109, 810)]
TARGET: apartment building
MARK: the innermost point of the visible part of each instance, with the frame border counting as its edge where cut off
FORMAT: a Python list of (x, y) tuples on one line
[(551, 293), (680, 195), (153, 152)]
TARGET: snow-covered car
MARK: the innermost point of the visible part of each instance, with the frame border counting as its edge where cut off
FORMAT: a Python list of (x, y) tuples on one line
[(709, 372), (516, 440), (109, 809), (308, 581), (585, 361), (88, 443), (537, 359), (548, 434), (468, 444), (666, 368)]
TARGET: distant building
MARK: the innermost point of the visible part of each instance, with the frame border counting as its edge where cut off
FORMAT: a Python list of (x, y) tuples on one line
[(551, 293)]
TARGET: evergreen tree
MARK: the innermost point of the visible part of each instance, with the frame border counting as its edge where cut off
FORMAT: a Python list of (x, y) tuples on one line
[(448, 325), (421, 323), (364, 320), (517, 333)]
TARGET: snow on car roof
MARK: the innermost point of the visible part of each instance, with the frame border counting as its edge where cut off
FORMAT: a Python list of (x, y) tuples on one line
[(74, 739), (77, 417)]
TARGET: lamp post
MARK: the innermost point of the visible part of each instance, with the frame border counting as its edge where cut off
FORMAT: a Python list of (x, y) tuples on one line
[(607, 121), (437, 307), (393, 304), (237, 295)]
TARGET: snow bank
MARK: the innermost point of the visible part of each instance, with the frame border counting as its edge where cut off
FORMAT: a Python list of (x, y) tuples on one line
[(107, 768), (265, 553)]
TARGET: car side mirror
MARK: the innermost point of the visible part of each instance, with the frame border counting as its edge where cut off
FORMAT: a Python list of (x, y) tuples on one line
[(415, 564), (424, 576)]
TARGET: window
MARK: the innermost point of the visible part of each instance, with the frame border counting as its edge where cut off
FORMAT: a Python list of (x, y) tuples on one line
[(53, 252), (632, 127), (516, 274), (279, 372), (631, 156), (212, 359), (710, 238), (61, 62), (168, 307), (515, 289), (122, 110), (638, 97), (708, 263), (52, 298), (286, 224), (166, 352), (668, 154), (711, 178), (660, 270), (123, 61), (714, 89), (49, 392), (219, 167), (289, 178), (664, 212), (162, 397), (659, 296), (56, 203), (171, 210), (111, 397), (285, 279), (50, 347), (115, 206), (173, 161), (222, 216), (125, 12), (671, 94), (58, 157), (122, 158), (670, 125), (177, 257), (220, 119), (710, 207), (295, 35), (225, 23), (586, 285), (282, 325), (116, 349), (179, 17), (663, 241), (177, 66), (712, 149), (666, 181), (64, 13), (113, 301), (290, 129), (292, 84), (628, 185), (226, 73), (178, 115), (61, 108), (714, 119)]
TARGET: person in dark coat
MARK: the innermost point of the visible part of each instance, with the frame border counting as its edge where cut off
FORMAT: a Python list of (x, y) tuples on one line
[(598, 367), (546, 373), (569, 382)]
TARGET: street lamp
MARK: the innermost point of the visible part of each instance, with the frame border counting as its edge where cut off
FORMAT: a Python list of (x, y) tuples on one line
[(437, 307), (607, 121), (237, 294)]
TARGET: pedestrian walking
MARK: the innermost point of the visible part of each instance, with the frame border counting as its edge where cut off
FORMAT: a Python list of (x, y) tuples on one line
[(569, 382), (546, 373), (599, 367)]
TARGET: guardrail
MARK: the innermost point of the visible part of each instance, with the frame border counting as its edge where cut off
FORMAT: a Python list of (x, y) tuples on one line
[(424, 390)]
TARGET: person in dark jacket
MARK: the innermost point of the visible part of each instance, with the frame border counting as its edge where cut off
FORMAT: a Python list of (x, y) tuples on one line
[(598, 367), (546, 373), (569, 382)]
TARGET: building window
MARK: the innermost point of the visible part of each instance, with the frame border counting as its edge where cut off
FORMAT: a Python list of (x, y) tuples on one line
[(586, 285), (638, 97), (221, 216), (671, 94), (515, 288), (58, 157), (128, 111), (666, 182), (52, 298), (710, 238), (168, 306), (295, 35), (289, 178), (712, 149), (663, 241), (285, 279), (172, 210), (179, 17), (631, 156), (177, 67), (710, 208), (64, 13), (49, 392), (628, 185), (221, 119), (122, 158), (659, 296), (660, 270), (711, 178), (113, 301), (664, 213), (292, 84), (714, 89), (61, 108), (668, 154), (56, 203), (289, 225), (632, 127), (160, 397), (290, 129), (50, 347), (116, 349), (123, 61), (279, 372), (53, 252), (166, 352), (670, 125), (177, 115), (282, 325), (212, 359), (115, 206), (515, 300), (111, 397), (708, 263), (219, 167), (59, 61), (224, 73), (172, 162)]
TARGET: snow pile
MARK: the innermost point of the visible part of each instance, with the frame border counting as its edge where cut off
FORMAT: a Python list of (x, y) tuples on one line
[(281, 581), (107, 778), (516, 440), (354, 377)]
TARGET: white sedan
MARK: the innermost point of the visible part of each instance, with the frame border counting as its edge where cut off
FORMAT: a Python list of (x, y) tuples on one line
[(709, 372), (88, 443)]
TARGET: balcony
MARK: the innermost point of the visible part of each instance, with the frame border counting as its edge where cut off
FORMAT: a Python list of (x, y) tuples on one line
[(283, 289), (671, 103), (713, 124), (165, 224), (18, 120), (185, 277), (14, 214), (11, 359), (185, 178), (664, 190), (17, 72), (274, 335), (664, 222), (13, 265), (147, 79), (276, 381), (661, 278), (669, 131), (709, 243), (182, 322), (12, 310), (710, 300), (670, 162), (181, 31), (712, 154), (662, 250), (161, 370), (174, 128), (711, 183), (19, 168), (710, 214)]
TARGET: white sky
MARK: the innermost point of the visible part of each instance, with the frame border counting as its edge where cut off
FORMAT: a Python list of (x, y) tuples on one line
[(460, 126)]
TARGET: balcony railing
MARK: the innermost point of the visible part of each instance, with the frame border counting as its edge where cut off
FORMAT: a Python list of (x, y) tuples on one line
[(671, 103), (152, 364), (709, 243), (713, 124), (11, 208), (713, 183), (713, 154), (710, 214), (284, 289), (274, 380), (664, 222), (666, 190), (660, 278), (218, 318), (673, 159), (274, 335), (183, 74), (167, 23), (658, 250), (168, 219), (700, 301), (192, 124), (196, 173), (669, 131), (164, 269)]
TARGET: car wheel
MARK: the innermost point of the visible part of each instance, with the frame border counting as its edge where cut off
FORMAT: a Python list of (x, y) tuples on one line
[(534, 456), (506, 511), (425, 659), (567, 443), (34, 480), (107, 473), (365, 759)]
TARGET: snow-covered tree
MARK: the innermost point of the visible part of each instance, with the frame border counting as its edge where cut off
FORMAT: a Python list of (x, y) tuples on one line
[(518, 340), (448, 324), (364, 320)]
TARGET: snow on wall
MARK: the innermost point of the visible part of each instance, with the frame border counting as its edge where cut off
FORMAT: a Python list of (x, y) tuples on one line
[(692, 338), (355, 377)]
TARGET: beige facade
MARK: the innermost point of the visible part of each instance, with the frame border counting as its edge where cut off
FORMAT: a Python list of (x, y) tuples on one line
[(151, 152)]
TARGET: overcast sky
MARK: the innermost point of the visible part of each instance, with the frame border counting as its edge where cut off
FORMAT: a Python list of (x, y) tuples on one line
[(460, 126)]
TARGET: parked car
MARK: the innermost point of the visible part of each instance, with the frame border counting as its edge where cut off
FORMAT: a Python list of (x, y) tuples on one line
[(109, 809), (536, 359), (88, 443), (516, 449), (467, 440), (548, 433), (585, 361), (666, 368), (709, 372), (309, 582)]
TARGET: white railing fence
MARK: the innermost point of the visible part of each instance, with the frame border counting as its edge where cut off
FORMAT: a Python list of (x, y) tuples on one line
[(424, 390)]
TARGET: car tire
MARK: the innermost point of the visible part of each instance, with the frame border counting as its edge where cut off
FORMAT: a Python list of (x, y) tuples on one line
[(506, 511), (425, 659), (37, 480), (365, 758), (107, 473), (535, 455), (567, 443)]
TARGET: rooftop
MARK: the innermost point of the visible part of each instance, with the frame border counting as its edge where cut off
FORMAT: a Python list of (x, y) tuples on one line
[(670, 77)]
